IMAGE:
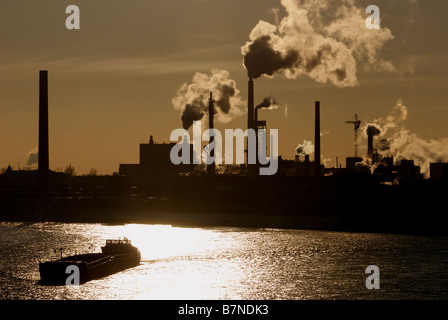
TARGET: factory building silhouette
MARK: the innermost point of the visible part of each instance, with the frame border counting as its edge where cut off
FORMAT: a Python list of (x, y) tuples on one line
[(302, 194), (155, 164)]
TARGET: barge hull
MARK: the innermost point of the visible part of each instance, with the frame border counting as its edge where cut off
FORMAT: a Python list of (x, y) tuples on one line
[(91, 266)]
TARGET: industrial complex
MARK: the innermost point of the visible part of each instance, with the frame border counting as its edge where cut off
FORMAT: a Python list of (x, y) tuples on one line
[(371, 193)]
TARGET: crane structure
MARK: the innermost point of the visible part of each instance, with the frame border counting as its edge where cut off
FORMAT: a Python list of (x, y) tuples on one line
[(357, 124)]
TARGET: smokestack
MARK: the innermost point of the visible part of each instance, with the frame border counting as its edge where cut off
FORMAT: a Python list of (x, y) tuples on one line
[(256, 118), (370, 144), (43, 158), (317, 140), (307, 165), (250, 105), (211, 167), (372, 130), (250, 122)]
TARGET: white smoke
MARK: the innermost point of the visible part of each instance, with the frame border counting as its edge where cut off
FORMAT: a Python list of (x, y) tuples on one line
[(306, 148), (325, 40), (33, 157), (399, 142), (192, 99), (394, 120), (268, 103)]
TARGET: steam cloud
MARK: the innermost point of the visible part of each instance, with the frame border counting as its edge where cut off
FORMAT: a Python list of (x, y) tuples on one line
[(383, 145), (268, 103), (324, 40), (33, 157), (399, 142), (192, 99), (306, 148)]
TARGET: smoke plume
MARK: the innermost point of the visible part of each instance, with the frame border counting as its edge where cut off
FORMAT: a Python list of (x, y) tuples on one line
[(372, 130), (33, 157), (325, 40), (399, 142), (193, 111), (268, 103), (192, 99), (306, 148), (383, 145)]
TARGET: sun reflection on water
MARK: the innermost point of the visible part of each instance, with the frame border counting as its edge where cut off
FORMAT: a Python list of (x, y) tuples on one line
[(224, 263), (176, 264), (163, 241)]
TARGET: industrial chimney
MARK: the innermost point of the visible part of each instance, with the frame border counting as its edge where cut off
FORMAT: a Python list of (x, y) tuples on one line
[(307, 165), (211, 111), (250, 124), (250, 105), (370, 144), (43, 158), (317, 141)]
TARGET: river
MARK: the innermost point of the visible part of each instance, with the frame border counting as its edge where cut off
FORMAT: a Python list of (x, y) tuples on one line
[(228, 263)]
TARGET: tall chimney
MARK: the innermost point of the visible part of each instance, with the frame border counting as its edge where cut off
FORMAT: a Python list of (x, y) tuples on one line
[(250, 123), (211, 112), (256, 132), (250, 105), (43, 158), (307, 165), (317, 140), (370, 144)]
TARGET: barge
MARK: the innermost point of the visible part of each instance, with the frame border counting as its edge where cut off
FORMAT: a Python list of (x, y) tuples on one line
[(115, 256)]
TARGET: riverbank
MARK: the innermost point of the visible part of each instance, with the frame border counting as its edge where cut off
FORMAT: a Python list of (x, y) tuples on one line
[(268, 219)]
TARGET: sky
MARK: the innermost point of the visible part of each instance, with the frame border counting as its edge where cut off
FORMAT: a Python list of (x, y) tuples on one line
[(124, 75)]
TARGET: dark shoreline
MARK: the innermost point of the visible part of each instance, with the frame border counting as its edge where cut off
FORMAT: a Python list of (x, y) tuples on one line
[(189, 217), (348, 203)]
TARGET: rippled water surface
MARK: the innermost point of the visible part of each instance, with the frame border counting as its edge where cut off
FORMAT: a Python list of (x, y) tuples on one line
[(228, 263)]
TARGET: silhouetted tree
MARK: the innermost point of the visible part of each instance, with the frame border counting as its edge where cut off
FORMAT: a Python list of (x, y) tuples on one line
[(70, 170), (93, 172)]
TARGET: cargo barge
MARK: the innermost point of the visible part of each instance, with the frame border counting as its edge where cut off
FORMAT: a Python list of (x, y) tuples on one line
[(115, 256)]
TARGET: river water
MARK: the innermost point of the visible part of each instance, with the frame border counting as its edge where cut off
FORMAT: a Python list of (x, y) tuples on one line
[(228, 263)]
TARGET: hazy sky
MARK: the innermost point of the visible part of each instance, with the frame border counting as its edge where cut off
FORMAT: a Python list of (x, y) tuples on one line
[(112, 82)]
